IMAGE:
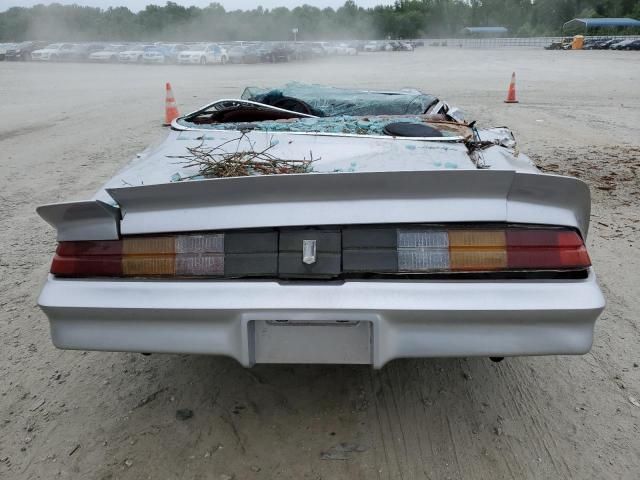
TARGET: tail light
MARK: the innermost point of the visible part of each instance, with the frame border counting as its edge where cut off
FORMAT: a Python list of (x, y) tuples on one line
[(459, 249), (487, 250), (182, 255), (245, 254), (357, 250)]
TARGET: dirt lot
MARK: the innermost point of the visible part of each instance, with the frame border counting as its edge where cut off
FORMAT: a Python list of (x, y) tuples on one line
[(64, 129)]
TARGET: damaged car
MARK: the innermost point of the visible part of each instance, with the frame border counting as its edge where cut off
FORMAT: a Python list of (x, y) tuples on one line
[(314, 224)]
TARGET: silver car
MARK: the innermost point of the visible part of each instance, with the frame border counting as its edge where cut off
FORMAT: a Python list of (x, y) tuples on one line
[(310, 224), (108, 55), (134, 53), (203, 54), (52, 53)]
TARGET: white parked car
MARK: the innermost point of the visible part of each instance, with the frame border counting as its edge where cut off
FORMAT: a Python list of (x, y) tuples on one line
[(134, 54), (206, 53), (376, 227), (344, 49), (405, 46), (109, 54), (330, 48), (53, 52), (372, 47), (166, 53)]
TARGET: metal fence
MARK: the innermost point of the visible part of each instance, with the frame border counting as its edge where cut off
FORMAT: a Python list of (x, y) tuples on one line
[(522, 42)]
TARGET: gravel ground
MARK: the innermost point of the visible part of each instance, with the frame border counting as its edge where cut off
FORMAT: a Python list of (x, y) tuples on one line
[(66, 128)]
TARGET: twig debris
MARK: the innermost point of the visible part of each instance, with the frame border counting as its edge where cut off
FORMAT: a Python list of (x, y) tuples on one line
[(219, 162)]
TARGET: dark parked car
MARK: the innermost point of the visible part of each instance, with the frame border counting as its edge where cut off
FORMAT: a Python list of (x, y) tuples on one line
[(589, 44), (318, 49), (252, 54), (237, 54), (622, 44), (604, 44), (265, 52), (22, 51), (3, 49), (635, 45), (282, 52), (303, 51)]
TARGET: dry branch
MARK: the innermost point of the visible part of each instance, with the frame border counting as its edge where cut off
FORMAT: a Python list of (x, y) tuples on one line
[(219, 162)]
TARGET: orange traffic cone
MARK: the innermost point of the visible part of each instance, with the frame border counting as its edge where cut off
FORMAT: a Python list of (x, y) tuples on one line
[(170, 108), (511, 94)]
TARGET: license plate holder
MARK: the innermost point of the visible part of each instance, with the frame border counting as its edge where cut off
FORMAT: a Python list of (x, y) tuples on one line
[(321, 342)]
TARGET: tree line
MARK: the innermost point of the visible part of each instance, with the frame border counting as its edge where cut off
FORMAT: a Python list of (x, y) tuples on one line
[(404, 19)]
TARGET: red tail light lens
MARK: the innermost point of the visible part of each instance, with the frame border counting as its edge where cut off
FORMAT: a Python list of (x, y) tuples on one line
[(85, 259), (546, 249)]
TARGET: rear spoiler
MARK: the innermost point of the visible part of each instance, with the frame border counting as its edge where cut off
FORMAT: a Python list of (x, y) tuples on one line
[(354, 198), (89, 220), (338, 199)]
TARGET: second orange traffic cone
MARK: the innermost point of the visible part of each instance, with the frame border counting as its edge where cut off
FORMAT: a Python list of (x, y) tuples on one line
[(511, 93), (170, 108)]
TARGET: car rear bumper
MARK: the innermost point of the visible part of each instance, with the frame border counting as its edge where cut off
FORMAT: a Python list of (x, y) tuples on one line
[(405, 318)]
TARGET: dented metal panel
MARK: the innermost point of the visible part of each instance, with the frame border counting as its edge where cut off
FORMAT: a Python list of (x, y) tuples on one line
[(331, 154)]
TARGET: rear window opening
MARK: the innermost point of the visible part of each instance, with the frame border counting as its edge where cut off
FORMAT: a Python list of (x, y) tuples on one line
[(244, 116), (237, 112), (299, 108)]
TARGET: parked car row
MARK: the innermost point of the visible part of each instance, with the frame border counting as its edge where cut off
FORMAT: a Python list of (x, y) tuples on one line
[(193, 53), (19, 51), (597, 44), (392, 46), (608, 44)]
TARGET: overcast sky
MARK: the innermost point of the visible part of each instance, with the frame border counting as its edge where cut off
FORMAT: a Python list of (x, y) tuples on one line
[(136, 5)]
